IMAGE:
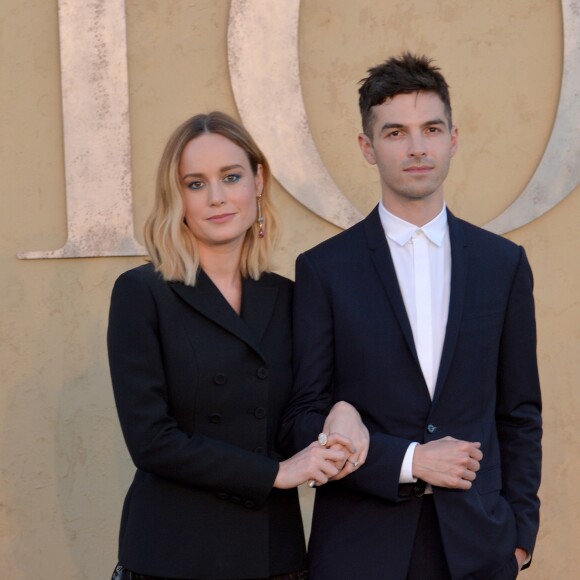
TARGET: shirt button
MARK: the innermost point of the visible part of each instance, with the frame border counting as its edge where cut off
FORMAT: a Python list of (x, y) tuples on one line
[(219, 379), (262, 373), (260, 413), (215, 418), (431, 428)]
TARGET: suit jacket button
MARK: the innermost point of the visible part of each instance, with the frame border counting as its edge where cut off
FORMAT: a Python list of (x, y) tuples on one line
[(249, 504), (262, 373), (222, 495), (431, 428), (260, 413), (219, 379), (215, 418)]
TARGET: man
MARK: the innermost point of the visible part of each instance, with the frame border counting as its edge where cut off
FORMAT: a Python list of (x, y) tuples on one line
[(426, 325)]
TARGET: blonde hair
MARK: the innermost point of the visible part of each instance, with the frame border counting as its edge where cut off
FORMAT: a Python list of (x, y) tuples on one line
[(171, 244)]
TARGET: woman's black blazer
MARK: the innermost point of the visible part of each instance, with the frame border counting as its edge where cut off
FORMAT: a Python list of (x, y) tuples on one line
[(200, 391)]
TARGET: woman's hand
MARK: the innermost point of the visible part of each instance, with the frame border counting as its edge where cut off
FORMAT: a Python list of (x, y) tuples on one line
[(345, 419), (316, 463)]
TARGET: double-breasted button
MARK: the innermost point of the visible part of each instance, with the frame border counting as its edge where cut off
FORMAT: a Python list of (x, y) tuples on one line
[(249, 504), (220, 379), (215, 418), (431, 428), (223, 495), (262, 373), (260, 413), (260, 450)]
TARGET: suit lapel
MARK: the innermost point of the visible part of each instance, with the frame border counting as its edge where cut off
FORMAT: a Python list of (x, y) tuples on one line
[(459, 267), (383, 263), (257, 306)]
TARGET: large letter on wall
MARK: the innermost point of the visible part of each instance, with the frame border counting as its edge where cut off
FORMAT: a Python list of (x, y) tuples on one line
[(95, 101)]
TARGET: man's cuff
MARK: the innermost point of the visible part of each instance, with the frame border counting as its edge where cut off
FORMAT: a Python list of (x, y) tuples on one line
[(406, 475)]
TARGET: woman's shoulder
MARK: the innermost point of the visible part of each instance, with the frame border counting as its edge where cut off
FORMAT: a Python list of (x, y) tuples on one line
[(141, 276), (275, 280)]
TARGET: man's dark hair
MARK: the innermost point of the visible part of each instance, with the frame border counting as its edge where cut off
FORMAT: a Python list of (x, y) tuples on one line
[(407, 73)]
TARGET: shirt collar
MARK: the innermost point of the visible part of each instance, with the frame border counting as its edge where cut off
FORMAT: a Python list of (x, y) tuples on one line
[(401, 231)]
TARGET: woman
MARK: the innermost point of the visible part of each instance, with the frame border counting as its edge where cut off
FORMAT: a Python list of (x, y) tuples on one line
[(200, 355)]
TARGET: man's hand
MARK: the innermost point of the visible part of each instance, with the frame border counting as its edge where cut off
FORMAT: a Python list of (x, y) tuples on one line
[(521, 556), (447, 462)]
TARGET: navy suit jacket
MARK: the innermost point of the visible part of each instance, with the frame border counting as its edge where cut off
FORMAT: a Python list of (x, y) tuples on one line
[(353, 342)]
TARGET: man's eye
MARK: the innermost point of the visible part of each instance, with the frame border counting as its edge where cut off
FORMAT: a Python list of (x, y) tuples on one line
[(232, 178)]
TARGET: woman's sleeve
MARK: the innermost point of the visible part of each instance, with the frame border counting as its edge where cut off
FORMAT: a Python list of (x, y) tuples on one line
[(155, 441)]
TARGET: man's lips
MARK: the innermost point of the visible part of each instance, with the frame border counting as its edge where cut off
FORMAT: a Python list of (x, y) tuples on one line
[(418, 169)]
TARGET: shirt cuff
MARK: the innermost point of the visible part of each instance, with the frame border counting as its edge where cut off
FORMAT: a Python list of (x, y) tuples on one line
[(406, 475)]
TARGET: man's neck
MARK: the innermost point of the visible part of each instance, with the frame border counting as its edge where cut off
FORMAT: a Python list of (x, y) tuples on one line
[(417, 212)]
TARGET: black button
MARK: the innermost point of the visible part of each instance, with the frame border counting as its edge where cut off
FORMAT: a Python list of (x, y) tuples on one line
[(260, 413), (431, 428), (249, 504), (235, 499), (220, 379), (223, 495), (262, 373), (215, 418), (419, 489), (260, 450)]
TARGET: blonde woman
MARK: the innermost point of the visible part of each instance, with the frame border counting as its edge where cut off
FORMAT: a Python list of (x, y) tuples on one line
[(200, 356)]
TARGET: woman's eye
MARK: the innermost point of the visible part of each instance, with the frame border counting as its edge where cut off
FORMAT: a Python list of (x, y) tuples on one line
[(195, 184), (232, 178)]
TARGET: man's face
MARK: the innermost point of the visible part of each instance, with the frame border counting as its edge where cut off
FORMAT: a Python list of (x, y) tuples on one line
[(412, 146)]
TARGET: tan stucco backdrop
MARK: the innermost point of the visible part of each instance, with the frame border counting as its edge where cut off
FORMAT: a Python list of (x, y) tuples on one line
[(63, 466)]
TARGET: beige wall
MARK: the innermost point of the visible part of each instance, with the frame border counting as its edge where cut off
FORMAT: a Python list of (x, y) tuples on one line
[(63, 465)]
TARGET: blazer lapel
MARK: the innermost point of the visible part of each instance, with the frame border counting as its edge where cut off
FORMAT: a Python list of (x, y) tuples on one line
[(206, 299), (459, 267), (258, 302), (383, 262)]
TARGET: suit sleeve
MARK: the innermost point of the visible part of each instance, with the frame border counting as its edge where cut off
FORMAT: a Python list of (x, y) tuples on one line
[(314, 367), (154, 439), (518, 412)]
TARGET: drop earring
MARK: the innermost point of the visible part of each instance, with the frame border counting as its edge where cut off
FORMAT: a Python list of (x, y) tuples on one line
[(260, 218)]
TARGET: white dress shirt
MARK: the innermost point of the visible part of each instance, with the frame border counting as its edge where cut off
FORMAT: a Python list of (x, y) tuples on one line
[(404, 240)]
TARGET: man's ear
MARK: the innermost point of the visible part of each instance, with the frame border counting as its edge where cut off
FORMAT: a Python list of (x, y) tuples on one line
[(454, 140), (366, 147)]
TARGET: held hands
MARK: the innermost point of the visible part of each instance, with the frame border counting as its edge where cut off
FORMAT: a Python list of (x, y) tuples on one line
[(345, 419), (314, 463), (447, 462)]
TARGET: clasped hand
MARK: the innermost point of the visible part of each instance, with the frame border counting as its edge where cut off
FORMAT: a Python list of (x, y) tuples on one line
[(447, 462), (344, 451)]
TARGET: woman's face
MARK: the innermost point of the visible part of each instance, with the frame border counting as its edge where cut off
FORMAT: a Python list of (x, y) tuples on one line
[(219, 191)]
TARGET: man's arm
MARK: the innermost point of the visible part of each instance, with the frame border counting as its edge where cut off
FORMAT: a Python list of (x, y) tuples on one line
[(518, 410)]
